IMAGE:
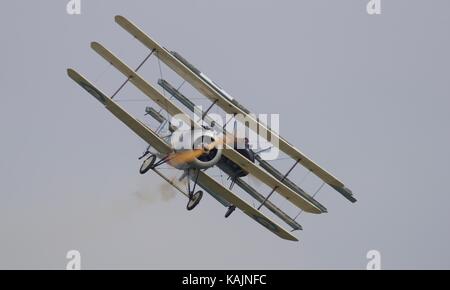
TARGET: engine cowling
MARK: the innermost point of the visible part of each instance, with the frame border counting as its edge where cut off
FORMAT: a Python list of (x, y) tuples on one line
[(197, 139)]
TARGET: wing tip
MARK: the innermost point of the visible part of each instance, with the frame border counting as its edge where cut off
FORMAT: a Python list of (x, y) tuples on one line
[(292, 239), (72, 73), (313, 209), (121, 20), (95, 44), (345, 192)]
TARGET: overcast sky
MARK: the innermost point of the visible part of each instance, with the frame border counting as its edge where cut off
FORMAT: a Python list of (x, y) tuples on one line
[(366, 97)]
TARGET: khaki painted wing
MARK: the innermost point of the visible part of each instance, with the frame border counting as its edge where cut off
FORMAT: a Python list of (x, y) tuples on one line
[(211, 185), (134, 124)]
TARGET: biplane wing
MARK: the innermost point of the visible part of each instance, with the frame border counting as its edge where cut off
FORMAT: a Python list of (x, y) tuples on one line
[(229, 151), (210, 184), (229, 105), (154, 140), (134, 124)]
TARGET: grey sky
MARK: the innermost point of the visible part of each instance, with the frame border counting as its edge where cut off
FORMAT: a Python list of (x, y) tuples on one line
[(366, 97)]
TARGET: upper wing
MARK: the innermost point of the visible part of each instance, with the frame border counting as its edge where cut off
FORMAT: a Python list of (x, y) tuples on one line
[(134, 124), (204, 180), (229, 106), (229, 151)]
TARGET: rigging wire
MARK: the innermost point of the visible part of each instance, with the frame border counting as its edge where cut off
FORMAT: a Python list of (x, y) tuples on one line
[(313, 196), (102, 73)]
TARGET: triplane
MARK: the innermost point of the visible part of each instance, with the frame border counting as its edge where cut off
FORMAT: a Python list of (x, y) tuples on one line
[(209, 144)]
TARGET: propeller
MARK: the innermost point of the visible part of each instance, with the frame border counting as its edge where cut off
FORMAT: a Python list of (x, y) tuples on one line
[(184, 156), (187, 156)]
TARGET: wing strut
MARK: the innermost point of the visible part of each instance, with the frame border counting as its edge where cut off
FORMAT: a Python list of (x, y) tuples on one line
[(205, 113), (275, 188), (136, 70)]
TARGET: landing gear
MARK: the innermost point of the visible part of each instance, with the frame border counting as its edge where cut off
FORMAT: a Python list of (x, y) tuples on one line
[(150, 162), (194, 200), (230, 210), (147, 164)]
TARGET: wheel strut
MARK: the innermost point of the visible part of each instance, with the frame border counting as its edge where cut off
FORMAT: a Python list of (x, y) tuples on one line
[(194, 197)]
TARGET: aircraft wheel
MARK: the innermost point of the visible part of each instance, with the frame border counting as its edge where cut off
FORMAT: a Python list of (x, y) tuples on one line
[(194, 200), (147, 164)]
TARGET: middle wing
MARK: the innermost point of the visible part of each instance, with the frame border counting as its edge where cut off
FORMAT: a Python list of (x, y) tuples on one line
[(153, 139)]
